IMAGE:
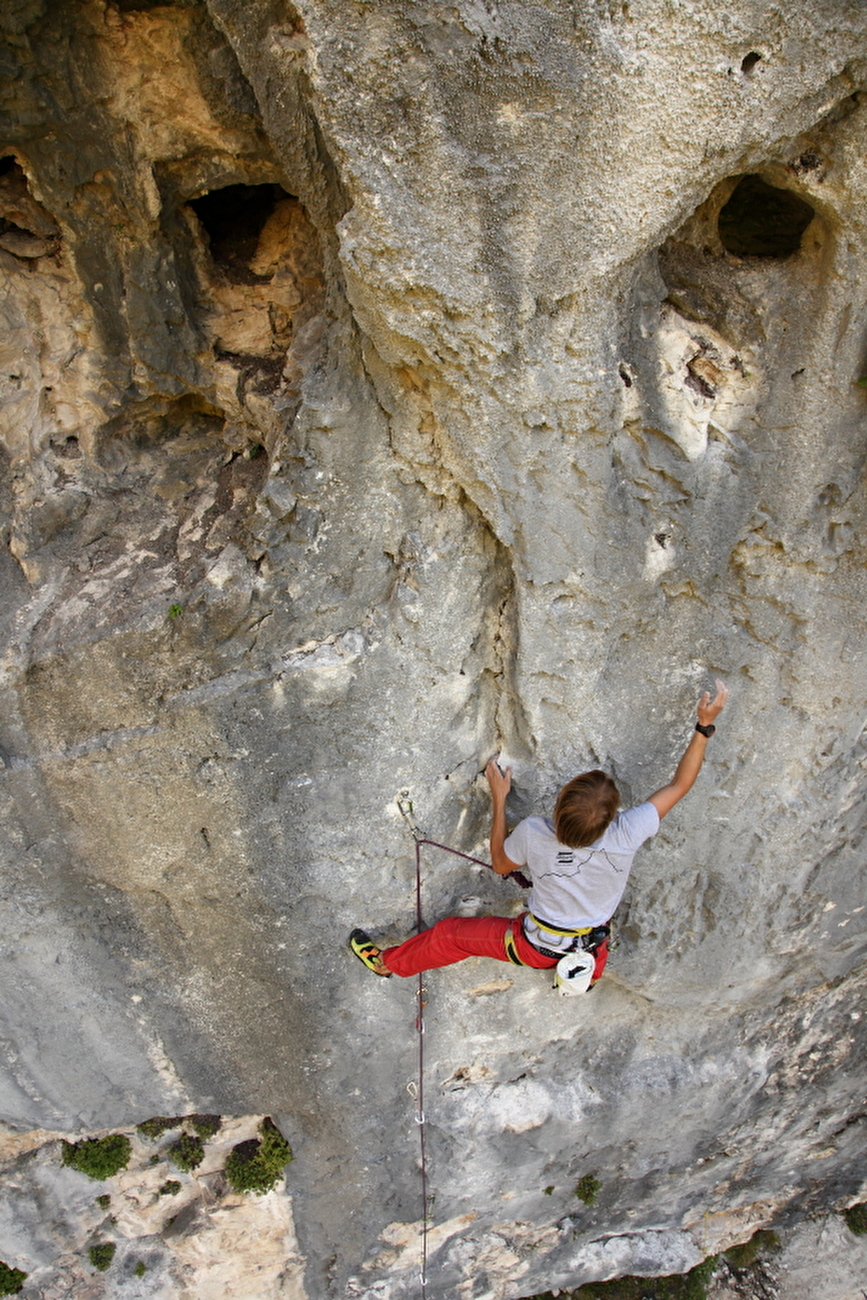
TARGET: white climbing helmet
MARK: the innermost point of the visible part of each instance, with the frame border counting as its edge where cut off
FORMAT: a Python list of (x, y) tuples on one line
[(574, 972)]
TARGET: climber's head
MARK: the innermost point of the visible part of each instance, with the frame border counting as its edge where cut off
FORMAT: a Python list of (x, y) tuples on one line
[(585, 807)]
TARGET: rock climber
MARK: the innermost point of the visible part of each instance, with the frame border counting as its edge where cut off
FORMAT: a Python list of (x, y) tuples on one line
[(578, 862)]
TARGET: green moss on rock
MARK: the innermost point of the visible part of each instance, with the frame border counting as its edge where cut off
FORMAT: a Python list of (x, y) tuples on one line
[(257, 1164), (152, 1129), (99, 1158), (187, 1153), (588, 1188), (856, 1218), (205, 1126), (763, 1242), (677, 1286), (11, 1279), (102, 1255)]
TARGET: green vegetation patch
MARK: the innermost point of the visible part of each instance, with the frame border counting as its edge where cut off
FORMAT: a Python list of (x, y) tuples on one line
[(99, 1158), (156, 1127), (187, 1152), (763, 1242), (856, 1219), (103, 1201), (11, 1279), (102, 1255), (140, 1269), (587, 1189), (206, 1126), (678, 1286), (257, 1164), (170, 1187)]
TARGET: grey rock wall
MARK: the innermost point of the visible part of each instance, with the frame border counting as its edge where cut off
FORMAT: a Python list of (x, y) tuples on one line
[(382, 385)]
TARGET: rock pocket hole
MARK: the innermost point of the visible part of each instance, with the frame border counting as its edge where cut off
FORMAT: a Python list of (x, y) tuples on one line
[(760, 220), (26, 229), (749, 61), (233, 219)]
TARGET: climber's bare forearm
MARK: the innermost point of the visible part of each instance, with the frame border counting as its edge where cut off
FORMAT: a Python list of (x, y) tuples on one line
[(693, 757), (500, 783)]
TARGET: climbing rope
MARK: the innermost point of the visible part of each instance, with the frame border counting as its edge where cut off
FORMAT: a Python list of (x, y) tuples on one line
[(404, 804)]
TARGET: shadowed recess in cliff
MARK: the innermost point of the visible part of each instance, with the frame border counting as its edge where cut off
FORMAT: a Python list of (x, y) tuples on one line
[(26, 229), (261, 283), (233, 219), (761, 220)]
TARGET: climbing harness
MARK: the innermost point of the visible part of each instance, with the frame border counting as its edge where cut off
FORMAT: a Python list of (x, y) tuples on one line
[(580, 954), (512, 948)]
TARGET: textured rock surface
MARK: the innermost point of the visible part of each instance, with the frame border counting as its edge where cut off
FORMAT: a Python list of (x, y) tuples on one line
[(175, 1233), (383, 384)]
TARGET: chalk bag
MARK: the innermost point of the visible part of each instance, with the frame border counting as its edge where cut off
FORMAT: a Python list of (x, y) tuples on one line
[(573, 973)]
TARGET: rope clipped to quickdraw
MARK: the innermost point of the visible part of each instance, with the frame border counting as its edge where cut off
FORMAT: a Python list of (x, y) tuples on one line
[(404, 804)]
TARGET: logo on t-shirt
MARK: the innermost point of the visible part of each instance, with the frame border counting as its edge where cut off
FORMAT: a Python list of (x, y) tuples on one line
[(565, 857)]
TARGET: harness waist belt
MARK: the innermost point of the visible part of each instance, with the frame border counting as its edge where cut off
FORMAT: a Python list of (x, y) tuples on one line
[(558, 929), (554, 940)]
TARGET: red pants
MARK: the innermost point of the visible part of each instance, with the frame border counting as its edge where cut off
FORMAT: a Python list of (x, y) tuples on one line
[(457, 937)]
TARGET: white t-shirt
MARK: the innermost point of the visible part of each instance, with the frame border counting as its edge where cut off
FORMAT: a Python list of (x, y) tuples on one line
[(577, 887)]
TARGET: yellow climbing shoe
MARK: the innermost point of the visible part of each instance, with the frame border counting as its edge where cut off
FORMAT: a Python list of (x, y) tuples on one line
[(366, 951)]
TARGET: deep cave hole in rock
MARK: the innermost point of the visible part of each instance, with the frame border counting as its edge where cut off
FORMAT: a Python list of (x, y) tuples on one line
[(760, 220), (233, 219)]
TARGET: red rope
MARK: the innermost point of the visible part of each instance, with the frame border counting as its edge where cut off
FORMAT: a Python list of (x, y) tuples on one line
[(466, 856), (419, 1024)]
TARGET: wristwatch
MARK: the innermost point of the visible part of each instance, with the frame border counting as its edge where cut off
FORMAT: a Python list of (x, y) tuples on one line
[(706, 731)]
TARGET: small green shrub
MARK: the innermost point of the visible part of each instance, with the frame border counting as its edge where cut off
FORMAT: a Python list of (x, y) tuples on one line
[(187, 1152), (549, 1191), (140, 1269), (103, 1201), (587, 1189), (99, 1158), (206, 1126), (102, 1255), (763, 1242), (175, 611), (11, 1279), (170, 1187), (677, 1286), (256, 1165), (156, 1127), (856, 1218)]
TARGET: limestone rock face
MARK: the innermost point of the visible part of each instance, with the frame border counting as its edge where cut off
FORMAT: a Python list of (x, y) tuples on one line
[(384, 385)]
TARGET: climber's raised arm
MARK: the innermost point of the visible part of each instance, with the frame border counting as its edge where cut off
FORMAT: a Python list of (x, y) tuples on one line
[(690, 764), (500, 783)]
